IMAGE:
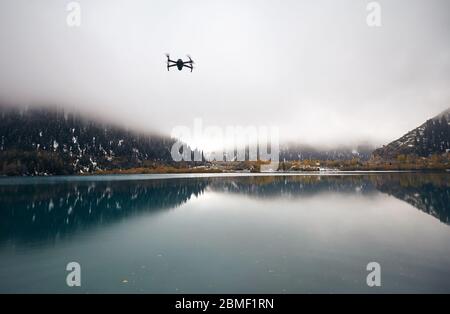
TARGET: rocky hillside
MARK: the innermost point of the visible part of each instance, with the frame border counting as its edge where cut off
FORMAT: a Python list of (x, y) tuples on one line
[(432, 137)]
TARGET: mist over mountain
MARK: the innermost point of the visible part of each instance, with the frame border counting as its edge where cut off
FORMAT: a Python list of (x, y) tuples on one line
[(37, 141), (295, 151), (51, 140), (316, 71)]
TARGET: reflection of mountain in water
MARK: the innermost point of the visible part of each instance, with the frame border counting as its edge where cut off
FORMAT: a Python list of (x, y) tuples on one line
[(427, 192), (48, 211)]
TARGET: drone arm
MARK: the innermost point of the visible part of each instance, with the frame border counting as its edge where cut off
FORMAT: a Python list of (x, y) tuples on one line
[(188, 66), (170, 65)]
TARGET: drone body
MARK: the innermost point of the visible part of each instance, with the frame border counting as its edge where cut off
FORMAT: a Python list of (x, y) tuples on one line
[(180, 64)]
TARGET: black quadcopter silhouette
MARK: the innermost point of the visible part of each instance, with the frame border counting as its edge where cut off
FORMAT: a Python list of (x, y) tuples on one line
[(180, 64)]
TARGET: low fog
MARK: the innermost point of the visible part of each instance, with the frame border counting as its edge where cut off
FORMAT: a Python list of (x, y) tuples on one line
[(314, 69)]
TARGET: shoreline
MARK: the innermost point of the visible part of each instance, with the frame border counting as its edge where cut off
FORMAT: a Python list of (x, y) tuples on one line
[(11, 180)]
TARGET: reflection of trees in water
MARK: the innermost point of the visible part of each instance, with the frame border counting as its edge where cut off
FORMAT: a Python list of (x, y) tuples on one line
[(427, 192), (48, 211), (293, 186)]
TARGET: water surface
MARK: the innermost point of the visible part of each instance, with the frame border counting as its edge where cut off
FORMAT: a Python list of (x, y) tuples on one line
[(226, 234)]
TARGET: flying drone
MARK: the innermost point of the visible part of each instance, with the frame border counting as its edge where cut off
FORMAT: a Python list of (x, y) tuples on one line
[(180, 64)]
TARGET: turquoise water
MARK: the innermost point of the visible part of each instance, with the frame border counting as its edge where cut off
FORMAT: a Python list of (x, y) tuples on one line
[(226, 234)]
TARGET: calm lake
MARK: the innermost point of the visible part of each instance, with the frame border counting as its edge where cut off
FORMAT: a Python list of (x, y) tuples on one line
[(226, 234)]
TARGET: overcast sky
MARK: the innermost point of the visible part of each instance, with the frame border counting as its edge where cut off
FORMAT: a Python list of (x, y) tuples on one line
[(312, 68)]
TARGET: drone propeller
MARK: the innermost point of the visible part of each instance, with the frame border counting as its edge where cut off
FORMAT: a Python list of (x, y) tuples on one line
[(190, 60), (168, 63)]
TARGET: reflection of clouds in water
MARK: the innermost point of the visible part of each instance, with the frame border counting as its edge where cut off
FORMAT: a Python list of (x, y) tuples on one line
[(427, 192), (40, 211)]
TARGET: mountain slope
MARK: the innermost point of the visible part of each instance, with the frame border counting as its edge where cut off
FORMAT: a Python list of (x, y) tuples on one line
[(50, 141), (432, 137)]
